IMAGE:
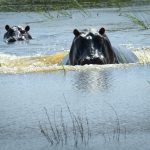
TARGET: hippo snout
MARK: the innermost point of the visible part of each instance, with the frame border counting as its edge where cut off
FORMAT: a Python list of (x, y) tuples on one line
[(95, 60), (11, 39)]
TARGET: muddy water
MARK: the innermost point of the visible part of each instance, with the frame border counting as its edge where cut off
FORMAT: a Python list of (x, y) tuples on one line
[(113, 98)]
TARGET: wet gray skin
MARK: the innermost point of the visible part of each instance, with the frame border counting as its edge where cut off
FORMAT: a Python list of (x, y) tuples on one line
[(91, 47)]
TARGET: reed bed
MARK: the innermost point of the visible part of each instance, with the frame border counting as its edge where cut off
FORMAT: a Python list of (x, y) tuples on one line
[(48, 5)]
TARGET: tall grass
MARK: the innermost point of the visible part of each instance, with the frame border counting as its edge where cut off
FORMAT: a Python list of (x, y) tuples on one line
[(79, 130), (41, 5)]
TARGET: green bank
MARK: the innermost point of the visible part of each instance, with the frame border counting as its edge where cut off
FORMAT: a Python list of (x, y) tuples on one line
[(47, 5)]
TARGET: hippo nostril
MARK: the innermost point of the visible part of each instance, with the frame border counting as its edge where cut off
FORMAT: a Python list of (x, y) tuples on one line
[(22, 31), (85, 62), (96, 60)]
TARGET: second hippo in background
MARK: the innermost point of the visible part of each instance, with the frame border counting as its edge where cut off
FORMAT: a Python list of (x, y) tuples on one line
[(90, 47), (16, 33)]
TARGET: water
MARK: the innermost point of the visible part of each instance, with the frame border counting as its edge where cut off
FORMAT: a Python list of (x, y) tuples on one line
[(104, 95), (88, 93)]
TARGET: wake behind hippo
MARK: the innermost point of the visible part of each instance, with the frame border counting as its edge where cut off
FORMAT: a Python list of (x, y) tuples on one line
[(90, 47), (16, 33)]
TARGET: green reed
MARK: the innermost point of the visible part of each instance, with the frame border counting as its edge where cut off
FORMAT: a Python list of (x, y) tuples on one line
[(48, 5), (138, 21)]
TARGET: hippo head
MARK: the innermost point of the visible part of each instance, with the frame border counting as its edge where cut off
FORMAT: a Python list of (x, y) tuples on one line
[(90, 47), (16, 33)]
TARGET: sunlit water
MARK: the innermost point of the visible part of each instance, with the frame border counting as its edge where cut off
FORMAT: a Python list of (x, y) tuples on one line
[(113, 98)]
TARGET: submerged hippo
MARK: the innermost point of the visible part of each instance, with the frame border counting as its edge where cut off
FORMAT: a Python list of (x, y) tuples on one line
[(16, 33), (89, 47)]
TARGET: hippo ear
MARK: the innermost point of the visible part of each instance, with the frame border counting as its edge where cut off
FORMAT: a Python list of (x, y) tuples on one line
[(27, 28), (76, 32), (102, 31), (7, 27)]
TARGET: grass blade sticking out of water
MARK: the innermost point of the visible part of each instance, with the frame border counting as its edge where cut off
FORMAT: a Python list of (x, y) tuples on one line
[(64, 12), (64, 128), (63, 68), (75, 2), (58, 131), (136, 20), (52, 127), (118, 129), (76, 130), (148, 82), (45, 132), (62, 9)]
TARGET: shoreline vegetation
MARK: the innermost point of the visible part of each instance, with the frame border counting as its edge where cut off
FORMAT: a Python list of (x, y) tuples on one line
[(52, 5)]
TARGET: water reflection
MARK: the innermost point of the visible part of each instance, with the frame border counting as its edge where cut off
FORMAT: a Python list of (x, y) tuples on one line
[(90, 80)]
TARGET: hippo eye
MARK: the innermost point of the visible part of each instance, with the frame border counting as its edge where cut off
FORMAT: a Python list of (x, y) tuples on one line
[(81, 42), (22, 31), (11, 32), (97, 39)]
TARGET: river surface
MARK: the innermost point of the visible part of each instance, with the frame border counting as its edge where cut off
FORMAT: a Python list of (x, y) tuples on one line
[(88, 107)]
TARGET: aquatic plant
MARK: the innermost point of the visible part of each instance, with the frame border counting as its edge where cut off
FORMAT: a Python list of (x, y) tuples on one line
[(117, 130), (48, 5), (60, 133), (63, 68), (78, 129), (136, 20), (148, 82)]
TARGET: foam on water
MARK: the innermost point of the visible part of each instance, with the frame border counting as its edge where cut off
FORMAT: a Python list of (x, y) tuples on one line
[(24, 64), (11, 64), (143, 54)]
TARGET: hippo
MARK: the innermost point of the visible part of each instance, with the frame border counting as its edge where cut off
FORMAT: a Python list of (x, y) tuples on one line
[(16, 33), (91, 47)]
